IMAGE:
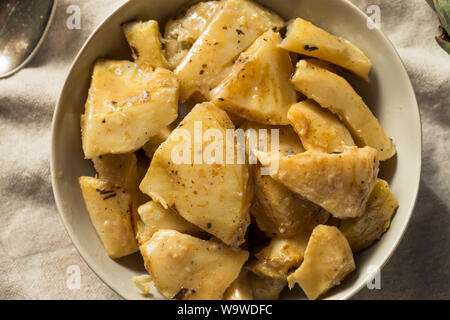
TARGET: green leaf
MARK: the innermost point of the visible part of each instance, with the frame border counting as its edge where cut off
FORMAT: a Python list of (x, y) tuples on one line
[(443, 12)]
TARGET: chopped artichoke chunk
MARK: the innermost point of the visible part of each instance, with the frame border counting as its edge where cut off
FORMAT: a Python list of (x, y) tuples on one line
[(126, 106), (265, 288), (333, 92), (258, 87), (181, 33), (186, 268), (339, 183), (288, 140), (305, 38), (278, 211), (125, 172), (109, 207), (120, 169), (153, 217), (319, 129), (240, 289), (328, 260), (154, 142), (215, 196), (280, 256), (361, 232), (145, 43), (233, 29), (322, 64)]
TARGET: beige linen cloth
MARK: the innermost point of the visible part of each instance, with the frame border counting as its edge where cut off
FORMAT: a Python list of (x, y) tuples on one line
[(35, 250)]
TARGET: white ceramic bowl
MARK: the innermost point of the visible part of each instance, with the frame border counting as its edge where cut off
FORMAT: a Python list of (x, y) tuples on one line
[(390, 95)]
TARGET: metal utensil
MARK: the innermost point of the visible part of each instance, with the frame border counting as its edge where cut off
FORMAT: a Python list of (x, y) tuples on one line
[(23, 26)]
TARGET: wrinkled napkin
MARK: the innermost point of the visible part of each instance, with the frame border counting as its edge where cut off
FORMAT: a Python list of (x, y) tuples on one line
[(35, 250)]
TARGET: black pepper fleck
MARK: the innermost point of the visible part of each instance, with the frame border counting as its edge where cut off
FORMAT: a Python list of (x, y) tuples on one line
[(110, 196), (180, 294), (308, 48), (104, 191)]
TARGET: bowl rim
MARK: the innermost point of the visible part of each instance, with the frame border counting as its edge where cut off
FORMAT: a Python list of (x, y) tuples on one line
[(59, 110)]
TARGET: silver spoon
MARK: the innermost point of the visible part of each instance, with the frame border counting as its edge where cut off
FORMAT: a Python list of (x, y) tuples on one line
[(23, 26)]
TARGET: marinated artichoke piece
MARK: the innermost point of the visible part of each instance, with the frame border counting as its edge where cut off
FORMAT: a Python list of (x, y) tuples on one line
[(125, 172), (361, 232), (334, 93), (119, 169), (321, 64), (328, 260), (288, 140), (240, 289), (181, 33), (234, 27), (145, 43), (154, 217), (305, 38), (339, 183), (214, 197), (278, 211), (264, 288), (126, 107), (280, 256), (258, 87), (186, 268), (319, 129), (154, 142), (109, 207)]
